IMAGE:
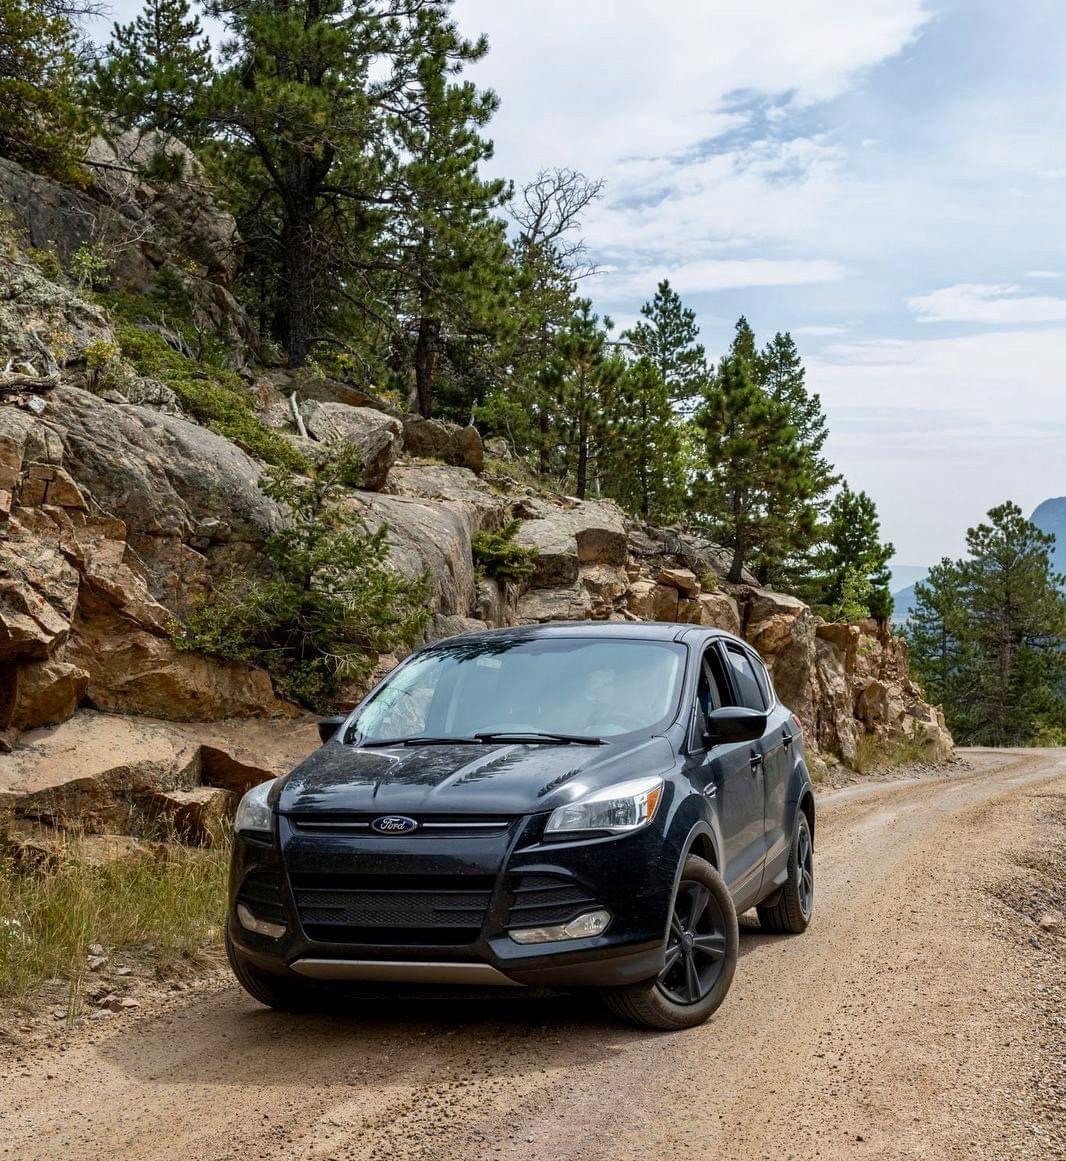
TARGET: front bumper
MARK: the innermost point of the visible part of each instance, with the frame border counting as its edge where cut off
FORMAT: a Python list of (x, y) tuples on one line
[(631, 876)]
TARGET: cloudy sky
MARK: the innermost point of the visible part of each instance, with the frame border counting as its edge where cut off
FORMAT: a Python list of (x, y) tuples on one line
[(884, 178)]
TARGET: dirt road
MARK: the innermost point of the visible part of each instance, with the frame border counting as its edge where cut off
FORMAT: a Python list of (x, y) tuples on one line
[(915, 1019)]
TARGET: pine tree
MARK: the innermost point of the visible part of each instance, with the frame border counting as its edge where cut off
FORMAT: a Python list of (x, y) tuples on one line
[(1015, 626), (778, 370), (668, 338), (643, 470), (43, 124), (449, 250), (755, 469), (154, 68), (781, 374), (584, 378), (936, 634), (854, 549)]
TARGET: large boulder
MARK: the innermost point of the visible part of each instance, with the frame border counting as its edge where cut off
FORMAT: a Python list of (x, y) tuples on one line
[(427, 539), (38, 592), (177, 215), (189, 499), (40, 693), (134, 671), (375, 436), (101, 773), (459, 489), (562, 604), (656, 548), (90, 772), (566, 536), (435, 439)]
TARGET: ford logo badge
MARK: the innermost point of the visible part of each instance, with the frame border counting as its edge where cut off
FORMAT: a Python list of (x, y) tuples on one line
[(394, 824)]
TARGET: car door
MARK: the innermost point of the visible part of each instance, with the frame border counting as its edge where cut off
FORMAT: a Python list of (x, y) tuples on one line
[(765, 754), (732, 779), (777, 771)]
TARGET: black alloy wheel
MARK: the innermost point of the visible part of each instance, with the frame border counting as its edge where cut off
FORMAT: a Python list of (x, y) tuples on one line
[(695, 946), (700, 957)]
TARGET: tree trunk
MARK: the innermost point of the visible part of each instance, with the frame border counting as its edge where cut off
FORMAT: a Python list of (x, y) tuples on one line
[(299, 285), (427, 356), (582, 458), (736, 569)]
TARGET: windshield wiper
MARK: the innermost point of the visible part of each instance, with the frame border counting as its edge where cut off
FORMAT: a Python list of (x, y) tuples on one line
[(539, 736), (420, 740)]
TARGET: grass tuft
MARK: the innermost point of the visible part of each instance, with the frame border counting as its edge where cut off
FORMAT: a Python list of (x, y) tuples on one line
[(873, 755), (171, 898), (213, 395)]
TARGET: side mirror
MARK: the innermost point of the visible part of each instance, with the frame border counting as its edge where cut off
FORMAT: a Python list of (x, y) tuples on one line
[(328, 727), (734, 723)]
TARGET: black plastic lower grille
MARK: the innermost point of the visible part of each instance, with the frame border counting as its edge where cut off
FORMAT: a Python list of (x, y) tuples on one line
[(401, 909), (544, 899), (260, 894)]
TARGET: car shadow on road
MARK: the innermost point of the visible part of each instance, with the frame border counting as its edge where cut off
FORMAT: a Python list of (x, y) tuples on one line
[(374, 1038)]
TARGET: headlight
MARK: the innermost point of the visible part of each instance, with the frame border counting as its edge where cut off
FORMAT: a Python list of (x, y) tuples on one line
[(617, 809), (253, 813)]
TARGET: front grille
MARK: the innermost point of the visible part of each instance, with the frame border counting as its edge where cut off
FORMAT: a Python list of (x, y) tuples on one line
[(260, 894), (400, 909), (429, 825), (539, 900)]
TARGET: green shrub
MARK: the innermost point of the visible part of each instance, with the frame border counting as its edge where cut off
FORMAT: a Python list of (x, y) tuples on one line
[(47, 261), (332, 605), (498, 556), (89, 266), (214, 396)]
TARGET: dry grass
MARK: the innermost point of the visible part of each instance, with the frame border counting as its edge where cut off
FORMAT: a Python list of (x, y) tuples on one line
[(873, 755), (170, 900)]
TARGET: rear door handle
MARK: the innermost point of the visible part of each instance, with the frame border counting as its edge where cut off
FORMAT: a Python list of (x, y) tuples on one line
[(786, 741), (756, 762)]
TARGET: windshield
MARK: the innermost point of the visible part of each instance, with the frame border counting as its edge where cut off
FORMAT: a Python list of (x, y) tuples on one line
[(514, 685)]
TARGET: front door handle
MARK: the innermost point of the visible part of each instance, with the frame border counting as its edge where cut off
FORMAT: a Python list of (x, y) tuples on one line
[(756, 762)]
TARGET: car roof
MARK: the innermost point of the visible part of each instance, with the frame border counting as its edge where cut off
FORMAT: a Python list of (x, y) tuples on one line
[(616, 630)]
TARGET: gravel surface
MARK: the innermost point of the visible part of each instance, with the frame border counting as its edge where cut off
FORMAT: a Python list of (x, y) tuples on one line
[(920, 1017)]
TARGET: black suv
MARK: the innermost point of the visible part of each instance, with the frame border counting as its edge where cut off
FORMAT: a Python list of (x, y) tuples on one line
[(578, 805)]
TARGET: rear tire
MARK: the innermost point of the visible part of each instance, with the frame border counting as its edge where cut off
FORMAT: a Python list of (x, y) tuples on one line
[(702, 947), (283, 995), (792, 906)]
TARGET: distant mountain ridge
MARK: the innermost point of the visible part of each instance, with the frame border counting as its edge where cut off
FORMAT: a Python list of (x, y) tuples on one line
[(1051, 517), (904, 578)]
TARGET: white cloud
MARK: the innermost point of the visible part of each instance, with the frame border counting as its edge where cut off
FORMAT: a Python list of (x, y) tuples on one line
[(712, 274), (588, 83), (940, 430), (1044, 274), (994, 304)]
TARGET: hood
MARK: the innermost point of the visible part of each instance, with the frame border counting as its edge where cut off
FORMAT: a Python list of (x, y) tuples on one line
[(496, 778)]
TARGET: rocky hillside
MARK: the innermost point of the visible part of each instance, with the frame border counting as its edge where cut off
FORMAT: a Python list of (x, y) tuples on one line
[(128, 486)]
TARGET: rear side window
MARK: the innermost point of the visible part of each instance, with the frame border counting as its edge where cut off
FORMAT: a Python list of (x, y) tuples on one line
[(747, 684), (763, 678)]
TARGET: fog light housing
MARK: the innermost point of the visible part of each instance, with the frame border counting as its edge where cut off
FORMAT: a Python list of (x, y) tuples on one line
[(583, 927), (259, 926)]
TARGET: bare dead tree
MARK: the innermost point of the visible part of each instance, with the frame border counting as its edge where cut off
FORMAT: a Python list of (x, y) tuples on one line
[(548, 213)]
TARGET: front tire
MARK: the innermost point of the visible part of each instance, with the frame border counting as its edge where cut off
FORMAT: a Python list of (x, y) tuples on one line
[(792, 906), (274, 991), (702, 946)]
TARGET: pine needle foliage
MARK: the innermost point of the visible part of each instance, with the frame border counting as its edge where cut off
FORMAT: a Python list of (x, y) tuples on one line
[(332, 603)]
